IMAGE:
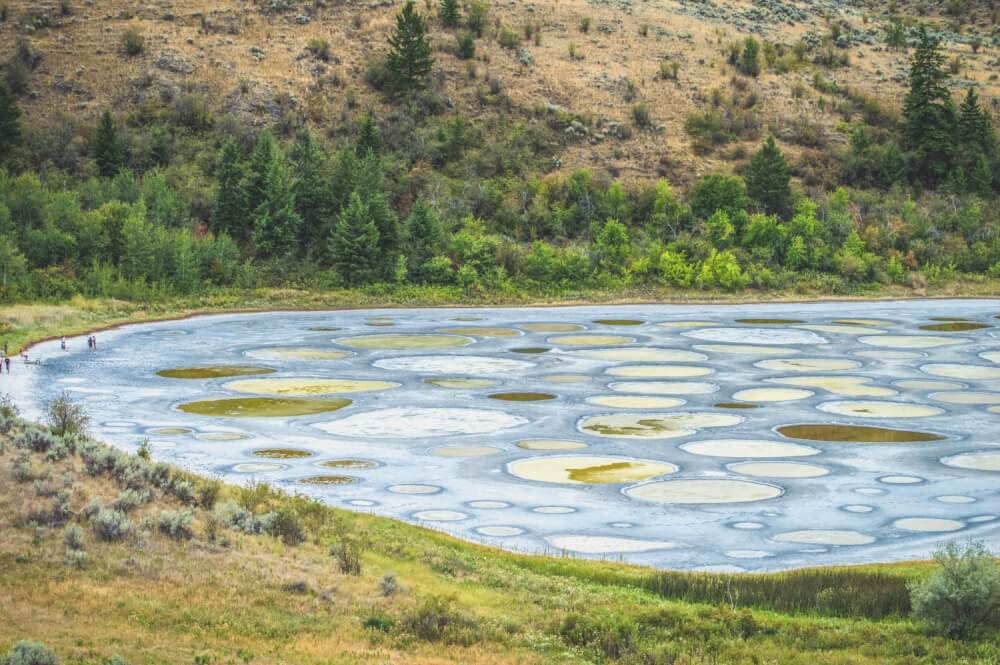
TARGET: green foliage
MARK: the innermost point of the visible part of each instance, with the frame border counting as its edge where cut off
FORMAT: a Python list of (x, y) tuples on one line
[(613, 636), (674, 269), (112, 525), (961, 598), (409, 61), (721, 271), (424, 241), (928, 114), (277, 223), (10, 122), (611, 248), (749, 60), (133, 42), (107, 146), (354, 243), (466, 46), (768, 180), (718, 192), (286, 525), (176, 524), (27, 652), (312, 194), (369, 137), (65, 416), (449, 13)]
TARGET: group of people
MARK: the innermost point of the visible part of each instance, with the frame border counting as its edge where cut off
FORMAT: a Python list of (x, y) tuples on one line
[(5, 360)]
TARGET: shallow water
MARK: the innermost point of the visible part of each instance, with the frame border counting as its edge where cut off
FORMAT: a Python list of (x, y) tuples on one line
[(642, 430)]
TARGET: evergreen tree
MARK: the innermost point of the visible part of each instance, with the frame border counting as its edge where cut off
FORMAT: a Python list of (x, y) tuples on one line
[(276, 223), (369, 137), (448, 12), (409, 61), (975, 126), (768, 180), (230, 213), (10, 122), (750, 57), (344, 180), (893, 166), (928, 114), (368, 183), (424, 238), (312, 193), (354, 243), (981, 176), (107, 146), (261, 159)]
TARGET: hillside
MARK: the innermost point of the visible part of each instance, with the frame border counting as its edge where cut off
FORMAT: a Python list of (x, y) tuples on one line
[(590, 60)]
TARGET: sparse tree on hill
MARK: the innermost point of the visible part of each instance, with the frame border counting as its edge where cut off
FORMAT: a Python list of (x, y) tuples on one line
[(768, 181), (369, 137), (261, 159), (107, 146), (449, 13), (10, 121), (750, 57), (409, 61), (928, 114)]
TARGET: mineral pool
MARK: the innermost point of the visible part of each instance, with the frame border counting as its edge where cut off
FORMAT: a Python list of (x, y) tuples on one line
[(874, 432)]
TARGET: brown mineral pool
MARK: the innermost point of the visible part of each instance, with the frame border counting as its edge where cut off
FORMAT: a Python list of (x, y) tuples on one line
[(769, 322), (808, 364), (772, 394), (659, 371), (297, 353), (550, 444), (481, 332), (324, 328), (523, 397), (654, 425), (404, 342), (566, 378), (854, 433), (619, 322), (871, 409), (865, 322), (304, 387), (590, 340), (551, 327), (646, 354), (348, 464), (465, 451), (955, 326), (779, 469), (588, 470), (213, 371), (328, 480), (735, 405), (282, 453), (635, 401), (531, 349), (695, 491), (462, 384), (171, 431), (262, 407), (962, 371)]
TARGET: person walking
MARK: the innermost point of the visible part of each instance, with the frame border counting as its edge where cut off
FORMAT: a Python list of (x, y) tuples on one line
[(62, 343), (6, 361)]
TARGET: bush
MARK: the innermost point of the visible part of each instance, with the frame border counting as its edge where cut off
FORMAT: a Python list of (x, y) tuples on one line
[(641, 115), (508, 38), (347, 553), (319, 48), (26, 652), (388, 585), (615, 636), (961, 598), (380, 621), (64, 416), (176, 524), (73, 537), (112, 525), (133, 43), (466, 48), (286, 524), (208, 493), (129, 499), (35, 439), (432, 618), (234, 516)]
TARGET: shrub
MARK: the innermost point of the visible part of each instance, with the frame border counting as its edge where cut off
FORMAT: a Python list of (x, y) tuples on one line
[(615, 636), (641, 115), (208, 493), (380, 621), (319, 48), (133, 42), (508, 38), (129, 499), (347, 553), (64, 416), (433, 617), (234, 516), (286, 524), (674, 269), (75, 558), (388, 585), (720, 270), (73, 537), (112, 525), (26, 652), (466, 48), (961, 598), (183, 490), (176, 524), (35, 439)]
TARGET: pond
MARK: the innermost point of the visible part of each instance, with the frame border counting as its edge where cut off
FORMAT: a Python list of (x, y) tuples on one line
[(677, 436)]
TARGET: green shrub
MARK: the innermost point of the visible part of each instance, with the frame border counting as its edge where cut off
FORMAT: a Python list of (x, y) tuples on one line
[(112, 525), (27, 652), (641, 115), (613, 635), (319, 48), (466, 48), (674, 269), (73, 537), (434, 618), (388, 585), (176, 524), (961, 598), (508, 38), (380, 621), (347, 553), (65, 416), (133, 42), (285, 524), (208, 493)]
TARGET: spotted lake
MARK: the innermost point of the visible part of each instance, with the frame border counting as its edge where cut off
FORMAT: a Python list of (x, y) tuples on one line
[(750, 437)]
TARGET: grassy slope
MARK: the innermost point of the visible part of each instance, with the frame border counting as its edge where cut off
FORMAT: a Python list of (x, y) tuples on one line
[(163, 601)]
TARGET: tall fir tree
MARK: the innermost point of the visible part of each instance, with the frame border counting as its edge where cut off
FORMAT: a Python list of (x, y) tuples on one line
[(448, 12), (276, 222), (107, 146), (354, 243), (312, 192), (424, 238), (261, 159), (975, 126), (409, 61), (10, 122), (768, 180), (928, 114), (230, 214), (369, 137), (370, 188), (344, 179)]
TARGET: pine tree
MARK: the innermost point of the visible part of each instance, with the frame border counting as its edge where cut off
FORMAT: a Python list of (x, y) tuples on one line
[(750, 57), (928, 114), (448, 12), (424, 238), (312, 193), (369, 187), (230, 213), (768, 180), (107, 146), (354, 243), (344, 180), (369, 138), (409, 61), (975, 126), (261, 159), (10, 122), (981, 176), (892, 168), (276, 223)]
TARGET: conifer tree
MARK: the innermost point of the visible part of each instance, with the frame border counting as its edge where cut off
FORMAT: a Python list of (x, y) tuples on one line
[(10, 121), (750, 57), (261, 159), (975, 126), (369, 137), (768, 180), (107, 146), (368, 184), (448, 12), (276, 222), (354, 243), (312, 192), (230, 213), (928, 114), (409, 61), (424, 238)]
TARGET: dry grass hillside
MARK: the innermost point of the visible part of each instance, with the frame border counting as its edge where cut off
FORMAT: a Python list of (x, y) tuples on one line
[(608, 62)]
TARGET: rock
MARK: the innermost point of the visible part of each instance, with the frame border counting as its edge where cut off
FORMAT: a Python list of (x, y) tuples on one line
[(172, 61)]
